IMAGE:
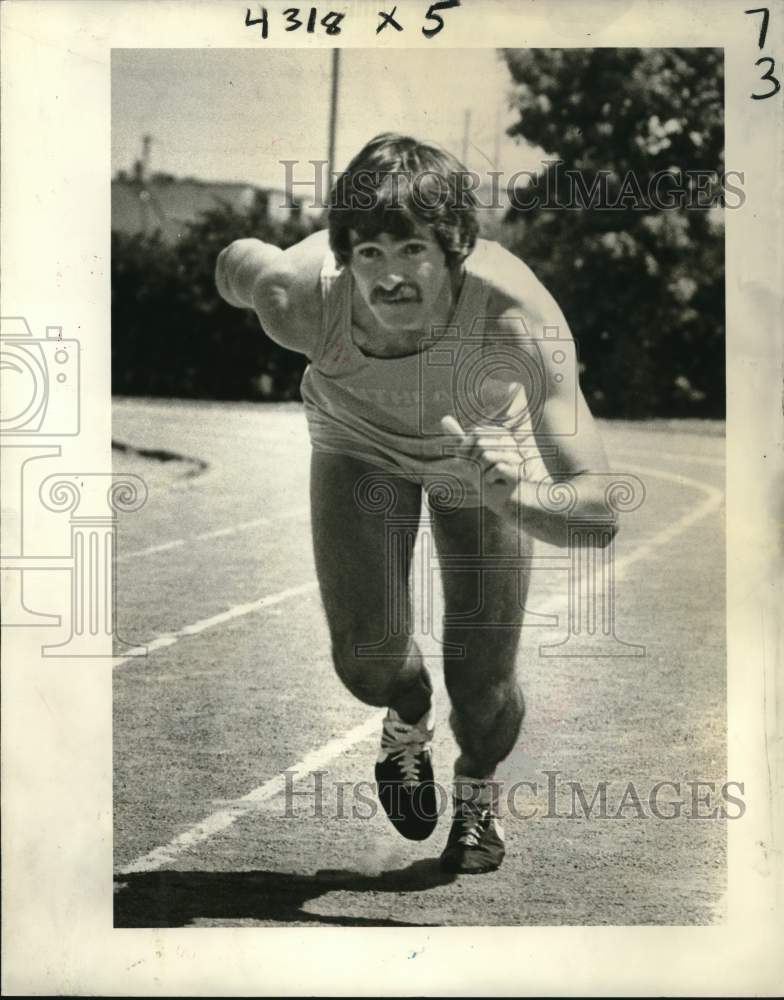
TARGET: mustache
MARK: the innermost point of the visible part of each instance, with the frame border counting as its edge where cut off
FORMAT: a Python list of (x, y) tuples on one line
[(380, 294)]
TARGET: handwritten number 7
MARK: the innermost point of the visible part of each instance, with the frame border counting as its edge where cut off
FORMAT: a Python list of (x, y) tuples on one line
[(764, 29), (768, 76)]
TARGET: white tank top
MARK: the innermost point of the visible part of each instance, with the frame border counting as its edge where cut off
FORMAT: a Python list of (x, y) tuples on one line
[(388, 410)]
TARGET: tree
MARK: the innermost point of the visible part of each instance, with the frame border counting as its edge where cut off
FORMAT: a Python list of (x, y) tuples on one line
[(642, 286)]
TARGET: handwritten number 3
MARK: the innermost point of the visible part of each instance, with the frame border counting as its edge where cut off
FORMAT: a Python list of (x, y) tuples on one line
[(767, 76)]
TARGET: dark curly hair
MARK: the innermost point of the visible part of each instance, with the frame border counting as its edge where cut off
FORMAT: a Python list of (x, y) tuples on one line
[(396, 183)]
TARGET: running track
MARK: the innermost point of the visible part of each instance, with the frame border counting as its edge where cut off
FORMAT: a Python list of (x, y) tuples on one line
[(234, 743)]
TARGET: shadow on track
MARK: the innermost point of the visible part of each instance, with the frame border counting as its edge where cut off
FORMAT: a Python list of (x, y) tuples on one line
[(176, 899)]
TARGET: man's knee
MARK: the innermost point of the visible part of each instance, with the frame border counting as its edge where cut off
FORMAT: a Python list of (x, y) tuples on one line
[(369, 673), (482, 704)]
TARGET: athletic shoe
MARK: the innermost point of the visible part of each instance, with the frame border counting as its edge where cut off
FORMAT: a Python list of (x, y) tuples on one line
[(476, 840), (404, 773)]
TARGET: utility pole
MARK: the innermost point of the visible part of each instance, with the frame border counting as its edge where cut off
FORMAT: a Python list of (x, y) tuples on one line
[(333, 115), (497, 144), (466, 136), (146, 144), (142, 168), (147, 200)]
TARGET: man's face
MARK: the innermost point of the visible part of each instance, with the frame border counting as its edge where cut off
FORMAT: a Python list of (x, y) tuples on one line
[(400, 280)]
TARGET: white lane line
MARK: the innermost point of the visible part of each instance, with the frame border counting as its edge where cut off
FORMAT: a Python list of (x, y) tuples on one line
[(294, 512), (232, 529), (221, 820), (220, 619), (714, 497), (675, 456), (317, 759), (163, 547), (204, 536)]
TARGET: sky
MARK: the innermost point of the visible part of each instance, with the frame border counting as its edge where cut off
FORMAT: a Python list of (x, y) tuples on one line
[(233, 114)]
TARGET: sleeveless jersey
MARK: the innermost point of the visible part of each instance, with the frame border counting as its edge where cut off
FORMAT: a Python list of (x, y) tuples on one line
[(387, 411)]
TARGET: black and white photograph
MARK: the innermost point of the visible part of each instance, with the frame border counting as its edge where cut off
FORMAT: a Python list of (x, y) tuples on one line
[(431, 409), (408, 493)]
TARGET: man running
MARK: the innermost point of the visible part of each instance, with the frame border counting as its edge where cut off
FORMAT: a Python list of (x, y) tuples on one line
[(438, 362)]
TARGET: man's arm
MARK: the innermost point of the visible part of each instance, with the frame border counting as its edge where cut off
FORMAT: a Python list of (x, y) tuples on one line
[(281, 286), (238, 268), (563, 427), (580, 462)]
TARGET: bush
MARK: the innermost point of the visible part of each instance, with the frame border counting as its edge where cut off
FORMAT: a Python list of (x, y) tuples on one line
[(172, 334)]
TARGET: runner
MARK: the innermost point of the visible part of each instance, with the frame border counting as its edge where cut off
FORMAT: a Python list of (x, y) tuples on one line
[(438, 363)]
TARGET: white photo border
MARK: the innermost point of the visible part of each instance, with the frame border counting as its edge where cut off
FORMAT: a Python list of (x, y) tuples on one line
[(57, 785)]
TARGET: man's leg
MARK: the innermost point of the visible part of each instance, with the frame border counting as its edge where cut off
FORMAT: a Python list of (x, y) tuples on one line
[(367, 600), (363, 564), (487, 702)]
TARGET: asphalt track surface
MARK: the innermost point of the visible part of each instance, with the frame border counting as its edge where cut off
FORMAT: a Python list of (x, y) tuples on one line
[(241, 793)]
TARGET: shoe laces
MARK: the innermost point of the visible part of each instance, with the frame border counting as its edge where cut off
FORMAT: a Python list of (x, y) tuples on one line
[(403, 743), (474, 818)]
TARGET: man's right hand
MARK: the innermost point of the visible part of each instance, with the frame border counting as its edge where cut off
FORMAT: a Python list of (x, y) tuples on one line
[(283, 287), (239, 268)]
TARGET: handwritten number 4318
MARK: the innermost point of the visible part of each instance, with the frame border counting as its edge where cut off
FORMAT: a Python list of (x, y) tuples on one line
[(771, 63), (331, 21)]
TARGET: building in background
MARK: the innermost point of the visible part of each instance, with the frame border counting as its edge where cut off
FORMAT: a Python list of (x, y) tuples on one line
[(168, 203)]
